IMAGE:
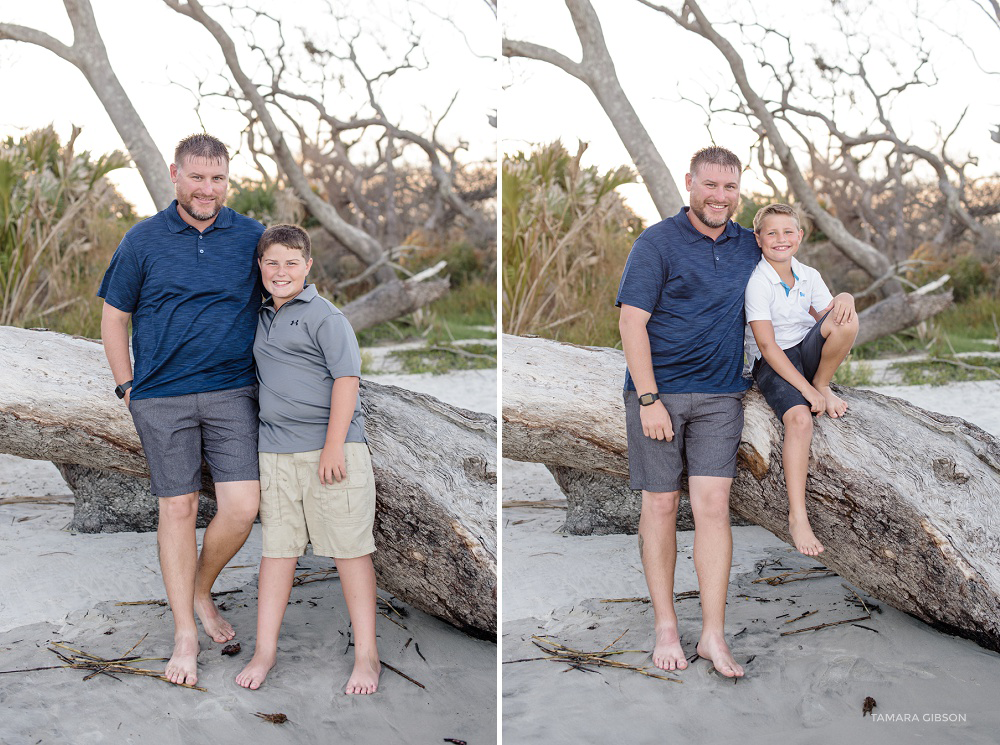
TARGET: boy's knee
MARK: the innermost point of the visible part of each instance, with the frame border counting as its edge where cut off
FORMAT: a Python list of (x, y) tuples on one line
[(798, 420)]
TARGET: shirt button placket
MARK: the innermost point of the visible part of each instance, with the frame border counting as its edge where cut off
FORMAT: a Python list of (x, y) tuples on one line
[(201, 250)]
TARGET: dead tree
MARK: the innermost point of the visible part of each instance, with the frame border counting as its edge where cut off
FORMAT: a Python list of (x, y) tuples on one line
[(597, 70), (435, 468), (88, 54), (904, 500)]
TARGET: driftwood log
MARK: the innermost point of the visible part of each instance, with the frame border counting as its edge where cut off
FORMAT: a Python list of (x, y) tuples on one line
[(906, 501), (901, 311), (435, 467)]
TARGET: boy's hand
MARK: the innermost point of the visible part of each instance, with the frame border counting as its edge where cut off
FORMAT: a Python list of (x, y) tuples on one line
[(656, 421), (331, 465), (843, 308), (817, 402)]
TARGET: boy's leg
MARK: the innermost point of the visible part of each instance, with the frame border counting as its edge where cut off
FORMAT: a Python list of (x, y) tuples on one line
[(178, 550), (357, 578), (839, 340), (658, 553), (798, 423), (274, 587)]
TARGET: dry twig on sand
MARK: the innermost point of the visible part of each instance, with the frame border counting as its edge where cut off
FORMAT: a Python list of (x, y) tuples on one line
[(540, 504), (112, 667), (586, 661), (318, 576), (402, 675), (37, 500), (796, 576)]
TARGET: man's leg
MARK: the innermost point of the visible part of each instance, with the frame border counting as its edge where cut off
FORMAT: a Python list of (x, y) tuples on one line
[(798, 423), (178, 551), (713, 558), (357, 579), (274, 587), (658, 551), (839, 340), (225, 535)]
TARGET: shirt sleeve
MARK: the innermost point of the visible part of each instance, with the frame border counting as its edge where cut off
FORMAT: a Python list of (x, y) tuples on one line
[(643, 278), (821, 296), (757, 300), (123, 280), (336, 339)]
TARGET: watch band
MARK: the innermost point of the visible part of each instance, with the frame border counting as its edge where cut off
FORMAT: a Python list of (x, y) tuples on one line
[(120, 390), (648, 398)]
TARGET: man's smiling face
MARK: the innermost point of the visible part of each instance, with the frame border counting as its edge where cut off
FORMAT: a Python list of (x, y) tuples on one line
[(200, 186), (714, 194)]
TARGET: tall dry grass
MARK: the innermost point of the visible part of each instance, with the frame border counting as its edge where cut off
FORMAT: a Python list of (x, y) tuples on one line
[(566, 234)]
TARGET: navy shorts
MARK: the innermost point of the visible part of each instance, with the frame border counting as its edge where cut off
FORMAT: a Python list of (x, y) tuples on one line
[(176, 431), (778, 392), (707, 430)]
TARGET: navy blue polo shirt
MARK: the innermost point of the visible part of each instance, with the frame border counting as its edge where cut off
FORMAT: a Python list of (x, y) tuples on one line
[(194, 299), (693, 288)]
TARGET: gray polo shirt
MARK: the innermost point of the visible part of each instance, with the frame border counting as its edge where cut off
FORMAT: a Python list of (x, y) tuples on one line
[(299, 350)]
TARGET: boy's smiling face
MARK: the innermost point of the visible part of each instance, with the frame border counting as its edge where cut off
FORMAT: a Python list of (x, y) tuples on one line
[(283, 272), (779, 238)]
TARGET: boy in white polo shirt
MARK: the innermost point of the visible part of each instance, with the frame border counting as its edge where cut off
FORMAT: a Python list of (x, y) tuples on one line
[(316, 477), (797, 336)]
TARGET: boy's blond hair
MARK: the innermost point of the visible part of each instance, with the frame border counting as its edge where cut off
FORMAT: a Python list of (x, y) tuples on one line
[(287, 235), (775, 208)]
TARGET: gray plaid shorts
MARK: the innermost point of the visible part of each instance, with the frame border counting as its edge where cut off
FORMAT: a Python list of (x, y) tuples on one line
[(707, 430), (176, 431)]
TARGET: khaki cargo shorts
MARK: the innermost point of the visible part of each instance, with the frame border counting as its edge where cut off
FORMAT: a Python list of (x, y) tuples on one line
[(296, 509)]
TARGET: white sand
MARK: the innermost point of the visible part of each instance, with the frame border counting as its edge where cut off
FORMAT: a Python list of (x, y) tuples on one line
[(802, 688), (56, 585)]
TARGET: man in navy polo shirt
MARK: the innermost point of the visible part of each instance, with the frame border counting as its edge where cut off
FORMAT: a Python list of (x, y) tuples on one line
[(681, 300), (188, 280)]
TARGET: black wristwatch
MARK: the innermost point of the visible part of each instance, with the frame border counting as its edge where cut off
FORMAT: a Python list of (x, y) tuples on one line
[(120, 390), (648, 398)]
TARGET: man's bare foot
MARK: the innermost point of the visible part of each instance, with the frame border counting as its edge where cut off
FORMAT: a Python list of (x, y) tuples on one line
[(713, 647), (667, 654), (214, 624), (183, 664), (803, 537), (835, 405), (364, 677), (256, 671)]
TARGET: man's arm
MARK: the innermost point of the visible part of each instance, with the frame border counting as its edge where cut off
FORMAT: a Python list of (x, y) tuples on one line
[(342, 402), (114, 334), (763, 333), (635, 343)]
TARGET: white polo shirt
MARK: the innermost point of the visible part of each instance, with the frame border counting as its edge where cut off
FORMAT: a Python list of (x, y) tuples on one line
[(768, 299)]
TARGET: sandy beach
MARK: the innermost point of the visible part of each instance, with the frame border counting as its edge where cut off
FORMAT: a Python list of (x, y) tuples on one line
[(807, 687), (66, 587)]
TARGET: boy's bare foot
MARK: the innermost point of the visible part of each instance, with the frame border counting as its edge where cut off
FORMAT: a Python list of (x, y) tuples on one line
[(802, 535), (364, 677), (835, 405), (713, 647), (256, 671), (667, 654), (183, 664), (212, 621)]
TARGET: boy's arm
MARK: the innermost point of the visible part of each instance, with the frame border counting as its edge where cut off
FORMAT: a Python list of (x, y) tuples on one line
[(763, 334), (635, 343), (342, 402)]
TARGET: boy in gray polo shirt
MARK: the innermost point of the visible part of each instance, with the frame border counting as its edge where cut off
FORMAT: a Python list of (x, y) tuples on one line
[(316, 474)]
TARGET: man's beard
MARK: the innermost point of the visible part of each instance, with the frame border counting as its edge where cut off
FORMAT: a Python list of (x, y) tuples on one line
[(189, 208), (711, 220)]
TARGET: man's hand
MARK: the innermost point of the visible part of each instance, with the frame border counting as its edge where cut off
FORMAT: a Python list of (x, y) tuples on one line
[(331, 465), (842, 308), (128, 396), (656, 421), (817, 402)]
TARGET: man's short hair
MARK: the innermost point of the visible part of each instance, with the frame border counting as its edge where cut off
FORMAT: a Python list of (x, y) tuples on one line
[(287, 235), (775, 208), (718, 156), (201, 146)]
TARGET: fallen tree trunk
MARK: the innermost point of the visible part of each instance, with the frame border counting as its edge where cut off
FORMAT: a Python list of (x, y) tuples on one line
[(898, 312), (435, 467), (904, 500), (391, 300)]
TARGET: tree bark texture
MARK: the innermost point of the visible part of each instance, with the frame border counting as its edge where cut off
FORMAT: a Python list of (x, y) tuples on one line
[(597, 70), (906, 501), (89, 55), (435, 467), (898, 312), (391, 300)]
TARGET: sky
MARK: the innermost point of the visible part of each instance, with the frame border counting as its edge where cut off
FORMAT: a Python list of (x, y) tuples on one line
[(659, 64), (159, 56)]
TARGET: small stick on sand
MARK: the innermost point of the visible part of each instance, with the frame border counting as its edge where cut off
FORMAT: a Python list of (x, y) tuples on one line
[(804, 615), (797, 576), (538, 504), (826, 625), (403, 675)]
